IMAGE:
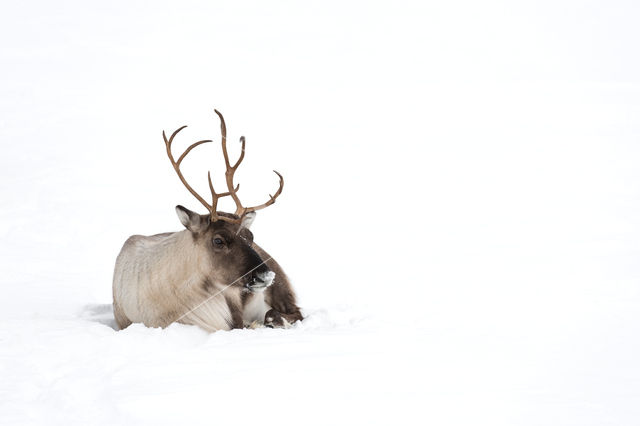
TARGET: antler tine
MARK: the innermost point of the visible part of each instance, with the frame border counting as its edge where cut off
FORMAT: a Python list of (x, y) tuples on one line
[(173, 135), (215, 197), (231, 170), (243, 142), (223, 132), (272, 198), (176, 164), (184, 154)]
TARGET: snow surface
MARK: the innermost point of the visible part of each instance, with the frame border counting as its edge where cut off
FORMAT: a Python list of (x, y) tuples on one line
[(460, 217)]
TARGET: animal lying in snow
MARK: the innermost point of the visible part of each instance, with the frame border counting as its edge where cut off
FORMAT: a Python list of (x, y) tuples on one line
[(211, 274)]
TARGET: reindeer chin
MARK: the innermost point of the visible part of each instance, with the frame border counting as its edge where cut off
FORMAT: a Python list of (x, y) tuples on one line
[(254, 287)]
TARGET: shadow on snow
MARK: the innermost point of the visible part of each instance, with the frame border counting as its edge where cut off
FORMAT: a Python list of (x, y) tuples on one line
[(100, 313)]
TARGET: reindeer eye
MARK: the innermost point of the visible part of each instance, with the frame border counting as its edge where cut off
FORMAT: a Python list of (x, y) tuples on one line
[(218, 242)]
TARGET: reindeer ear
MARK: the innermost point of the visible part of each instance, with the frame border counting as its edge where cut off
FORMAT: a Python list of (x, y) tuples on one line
[(247, 220), (191, 220)]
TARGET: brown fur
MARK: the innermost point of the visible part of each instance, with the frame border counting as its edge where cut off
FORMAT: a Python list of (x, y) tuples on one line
[(236, 312), (280, 295), (121, 319)]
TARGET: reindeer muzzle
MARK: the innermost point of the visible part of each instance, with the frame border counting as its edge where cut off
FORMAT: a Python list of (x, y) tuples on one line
[(260, 281)]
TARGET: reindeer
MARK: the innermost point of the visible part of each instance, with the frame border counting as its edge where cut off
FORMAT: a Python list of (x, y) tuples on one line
[(211, 274)]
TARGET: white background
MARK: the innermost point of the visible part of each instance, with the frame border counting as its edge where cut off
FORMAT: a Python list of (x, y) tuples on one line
[(460, 215)]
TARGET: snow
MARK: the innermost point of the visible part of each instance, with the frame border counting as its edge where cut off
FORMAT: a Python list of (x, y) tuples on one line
[(460, 216)]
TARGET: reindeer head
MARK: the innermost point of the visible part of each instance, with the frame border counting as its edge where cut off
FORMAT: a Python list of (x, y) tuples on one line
[(225, 237)]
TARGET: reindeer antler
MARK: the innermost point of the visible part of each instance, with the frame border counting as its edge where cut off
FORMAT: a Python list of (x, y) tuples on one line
[(229, 174), (231, 170)]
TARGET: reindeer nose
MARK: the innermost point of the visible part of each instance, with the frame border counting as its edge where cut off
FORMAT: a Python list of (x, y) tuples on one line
[(266, 277), (261, 280)]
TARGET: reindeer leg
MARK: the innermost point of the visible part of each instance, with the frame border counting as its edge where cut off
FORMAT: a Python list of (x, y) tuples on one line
[(276, 319), (279, 296), (284, 310)]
